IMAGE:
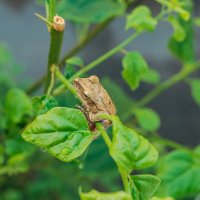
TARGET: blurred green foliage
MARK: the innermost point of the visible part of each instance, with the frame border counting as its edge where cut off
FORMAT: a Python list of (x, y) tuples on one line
[(29, 172)]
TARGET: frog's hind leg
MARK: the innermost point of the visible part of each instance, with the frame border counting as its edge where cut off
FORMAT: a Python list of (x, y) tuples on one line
[(90, 123)]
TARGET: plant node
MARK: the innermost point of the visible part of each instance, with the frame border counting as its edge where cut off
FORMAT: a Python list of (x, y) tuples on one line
[(58, 23)]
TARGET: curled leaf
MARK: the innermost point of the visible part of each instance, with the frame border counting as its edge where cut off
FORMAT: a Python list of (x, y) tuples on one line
[(141, 19)]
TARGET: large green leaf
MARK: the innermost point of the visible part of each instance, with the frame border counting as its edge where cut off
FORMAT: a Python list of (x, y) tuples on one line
[(95, 195), (141, 19), (195, 90), (134, 67), (129, 149), (18, 105), (63, 132), (180, 175), (90, 11), (147, 118), (145, 186)]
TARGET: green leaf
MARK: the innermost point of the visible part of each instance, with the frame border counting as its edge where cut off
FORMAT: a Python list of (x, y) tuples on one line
[(147, 118), (17, 146), (180, 46), (95, 195), (141, 19), (18, 105), (178, 6), (75, 60), (145, 186), (87, 11), (152, 76), (195, 90), (12, 194), (16, 164), (134, 67), (179, 33), (129, 149), (180, 175), (42, 104), (163, 198), (119, 97), (69, 71), (63, 132)]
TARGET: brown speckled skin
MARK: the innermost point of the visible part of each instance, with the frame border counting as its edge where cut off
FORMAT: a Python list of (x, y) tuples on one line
[(95, 100)]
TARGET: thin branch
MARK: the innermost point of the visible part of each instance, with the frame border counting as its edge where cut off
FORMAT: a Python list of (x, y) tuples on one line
[(56, 33), (52, 80), (187, 70), (174, 145), (99, 60), (66, 83)]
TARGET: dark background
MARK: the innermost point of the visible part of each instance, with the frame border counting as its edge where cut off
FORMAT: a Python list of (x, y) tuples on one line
[(28, 40)]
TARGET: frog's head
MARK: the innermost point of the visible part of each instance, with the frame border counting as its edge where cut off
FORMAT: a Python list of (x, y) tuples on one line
[(84, 86), (94, 79)]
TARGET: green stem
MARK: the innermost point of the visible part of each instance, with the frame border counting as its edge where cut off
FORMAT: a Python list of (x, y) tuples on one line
[(44, 19), (51, 9), (66, 83), (52, 80), (175, 145), (99, 60), (108, 142), (170, 143), (124, 51), (124, 176), (54, 52), (168, 83), (105, 56), (104, 134)]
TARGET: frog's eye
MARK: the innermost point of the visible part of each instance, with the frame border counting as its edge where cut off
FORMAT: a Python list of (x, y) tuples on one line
[(94, 79)]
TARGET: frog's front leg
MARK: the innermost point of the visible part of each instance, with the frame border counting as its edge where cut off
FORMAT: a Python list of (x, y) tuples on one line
[(96, 117)]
